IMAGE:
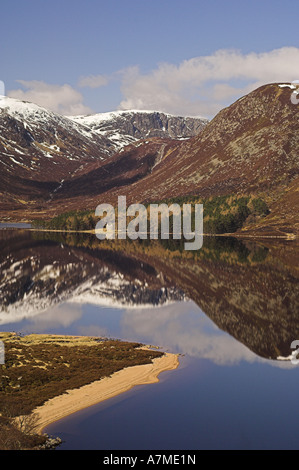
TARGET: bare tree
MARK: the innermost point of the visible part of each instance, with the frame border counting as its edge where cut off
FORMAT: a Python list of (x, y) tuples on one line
[(27, 424)]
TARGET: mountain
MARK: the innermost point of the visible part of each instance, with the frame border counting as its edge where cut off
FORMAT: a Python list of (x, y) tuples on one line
[(41, 150), (126, 127), (250, 147)]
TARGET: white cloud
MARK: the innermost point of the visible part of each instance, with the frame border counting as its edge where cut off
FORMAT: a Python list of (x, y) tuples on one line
[(62, 99), (200, 86), (60, 315), (203, 85), (93, 81), (183, 328)]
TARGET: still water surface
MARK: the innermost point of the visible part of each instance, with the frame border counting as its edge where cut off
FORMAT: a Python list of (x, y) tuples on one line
[(231, 313)]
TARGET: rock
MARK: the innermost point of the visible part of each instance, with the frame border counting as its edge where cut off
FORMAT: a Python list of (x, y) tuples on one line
[(51, 443)]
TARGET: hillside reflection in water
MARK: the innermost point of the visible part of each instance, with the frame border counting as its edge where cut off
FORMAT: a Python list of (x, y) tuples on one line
[(234, 303)]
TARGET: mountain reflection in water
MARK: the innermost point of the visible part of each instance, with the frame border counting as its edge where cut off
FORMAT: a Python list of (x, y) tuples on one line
[(182, 300)]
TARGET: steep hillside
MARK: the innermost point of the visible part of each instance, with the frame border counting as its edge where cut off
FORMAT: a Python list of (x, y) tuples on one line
[(251, 147), (38, 150)]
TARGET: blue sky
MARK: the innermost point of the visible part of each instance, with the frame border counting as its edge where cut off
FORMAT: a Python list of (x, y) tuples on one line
[(77, 57)]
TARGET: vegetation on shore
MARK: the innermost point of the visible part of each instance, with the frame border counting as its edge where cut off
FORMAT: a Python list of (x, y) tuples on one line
[(72, 220), (40, 367), (222, 214)]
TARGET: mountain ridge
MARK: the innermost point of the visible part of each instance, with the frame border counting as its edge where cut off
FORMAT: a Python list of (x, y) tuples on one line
[(128, 126), (40, 150)]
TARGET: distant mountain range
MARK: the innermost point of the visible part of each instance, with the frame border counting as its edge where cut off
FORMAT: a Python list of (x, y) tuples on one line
[(39, 149), (50, 164)]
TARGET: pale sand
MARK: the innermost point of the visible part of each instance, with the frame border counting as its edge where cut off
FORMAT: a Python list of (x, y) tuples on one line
[(108, 387)]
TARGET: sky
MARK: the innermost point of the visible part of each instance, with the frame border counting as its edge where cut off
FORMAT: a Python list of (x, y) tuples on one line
[(188, 57)]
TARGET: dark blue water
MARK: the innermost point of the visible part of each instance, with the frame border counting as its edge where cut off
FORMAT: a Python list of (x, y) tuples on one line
[(222, 396), (201, 405), (14, 225), (226, 393)]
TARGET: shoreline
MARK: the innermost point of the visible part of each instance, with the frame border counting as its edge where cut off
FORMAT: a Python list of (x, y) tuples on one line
[(245, 235), (122, 381)]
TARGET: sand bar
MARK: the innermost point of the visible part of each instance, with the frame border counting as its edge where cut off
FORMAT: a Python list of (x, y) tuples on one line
[(74, 400)]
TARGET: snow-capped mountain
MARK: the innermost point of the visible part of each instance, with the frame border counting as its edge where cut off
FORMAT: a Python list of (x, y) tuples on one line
[(34, 140), (39, 150), (126, 127)]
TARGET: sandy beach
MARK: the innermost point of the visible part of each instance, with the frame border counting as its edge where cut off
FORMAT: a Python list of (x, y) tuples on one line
[(98, 391)]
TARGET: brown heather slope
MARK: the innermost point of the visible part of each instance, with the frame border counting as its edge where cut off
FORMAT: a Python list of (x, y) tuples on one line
[(251, 147), (97, 181), (115, 176)]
